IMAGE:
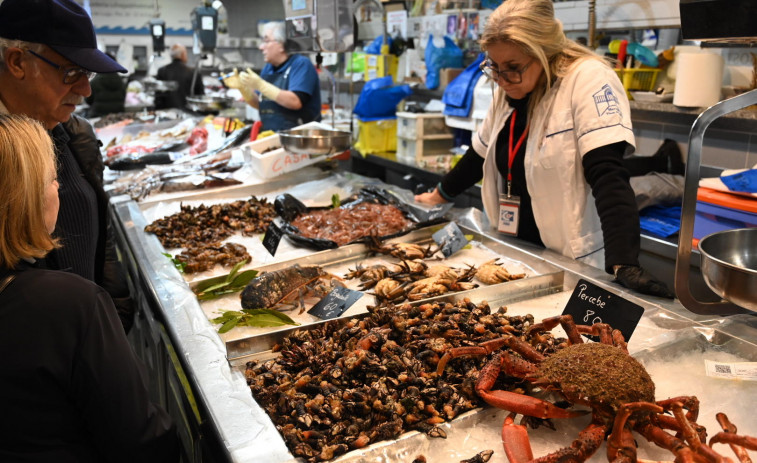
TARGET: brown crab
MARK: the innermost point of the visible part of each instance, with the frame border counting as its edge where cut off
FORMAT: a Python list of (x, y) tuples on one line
[(601, 376), (436, 286), (404, 251), (492, 273)]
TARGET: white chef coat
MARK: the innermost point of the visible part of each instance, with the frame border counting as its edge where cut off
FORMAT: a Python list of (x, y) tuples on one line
[(583, 110)]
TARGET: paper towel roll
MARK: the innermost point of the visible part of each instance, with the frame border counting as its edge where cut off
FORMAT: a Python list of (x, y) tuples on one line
[(699, 77)]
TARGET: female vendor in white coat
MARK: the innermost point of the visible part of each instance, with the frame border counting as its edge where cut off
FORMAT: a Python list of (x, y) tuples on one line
[(550, 149)]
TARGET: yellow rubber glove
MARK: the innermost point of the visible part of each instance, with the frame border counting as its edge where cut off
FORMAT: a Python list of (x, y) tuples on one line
[(235, 81), (250, 78)]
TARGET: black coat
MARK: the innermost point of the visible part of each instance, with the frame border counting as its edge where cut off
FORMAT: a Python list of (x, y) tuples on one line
[(108, 95), (182, 74), (77, 137), (71, 388)]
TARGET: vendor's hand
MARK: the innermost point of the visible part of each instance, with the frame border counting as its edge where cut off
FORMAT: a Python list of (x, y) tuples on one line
[(431, 197), (233, 81), (250, 79), (638, 279)]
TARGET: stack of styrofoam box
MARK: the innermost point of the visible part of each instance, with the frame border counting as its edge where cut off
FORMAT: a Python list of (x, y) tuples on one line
[(269, 159), (421, 137)]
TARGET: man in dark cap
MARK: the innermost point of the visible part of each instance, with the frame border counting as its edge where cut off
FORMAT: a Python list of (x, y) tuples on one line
[(48, 53)]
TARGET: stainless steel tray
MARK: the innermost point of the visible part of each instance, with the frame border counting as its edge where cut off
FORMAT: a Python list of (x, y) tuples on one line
[(542, 278), (673, 350)]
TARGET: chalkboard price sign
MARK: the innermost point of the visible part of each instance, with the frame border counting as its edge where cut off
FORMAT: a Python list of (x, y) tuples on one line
[(591, 304), (272, 238), (335, 303)]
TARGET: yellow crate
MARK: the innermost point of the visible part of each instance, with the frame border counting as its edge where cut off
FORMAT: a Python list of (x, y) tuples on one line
[(376, 136), (638, 79)]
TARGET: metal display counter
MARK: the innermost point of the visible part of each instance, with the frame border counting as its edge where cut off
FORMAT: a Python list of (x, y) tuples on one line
[(219, 419)]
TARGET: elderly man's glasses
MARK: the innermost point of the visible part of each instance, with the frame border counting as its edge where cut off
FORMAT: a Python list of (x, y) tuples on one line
[(71, 74), (513, 76)]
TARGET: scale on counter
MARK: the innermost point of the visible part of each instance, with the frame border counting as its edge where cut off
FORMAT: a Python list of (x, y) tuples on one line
[(729, 258)]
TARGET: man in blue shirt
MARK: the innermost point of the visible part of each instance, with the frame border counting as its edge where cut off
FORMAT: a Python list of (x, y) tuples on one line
[(288, 85)]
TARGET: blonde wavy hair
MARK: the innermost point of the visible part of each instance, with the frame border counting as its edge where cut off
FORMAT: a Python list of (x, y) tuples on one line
[(531, 25), (27, 166)]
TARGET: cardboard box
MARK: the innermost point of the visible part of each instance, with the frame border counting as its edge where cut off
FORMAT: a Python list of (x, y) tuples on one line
[(269, 159), (447, 75)]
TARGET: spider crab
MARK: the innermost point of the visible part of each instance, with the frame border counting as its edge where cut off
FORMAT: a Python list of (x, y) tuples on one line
[(603, 377)]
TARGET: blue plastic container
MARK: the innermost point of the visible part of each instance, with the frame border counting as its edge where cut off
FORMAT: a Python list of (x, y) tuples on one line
[(711, 218)]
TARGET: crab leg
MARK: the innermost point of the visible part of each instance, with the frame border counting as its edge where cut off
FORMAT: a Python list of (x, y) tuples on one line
[(526, 405), (515, 441), (662, 439), (621, 446), (736, 442), (486, 348), (587, 443), (567, 323), (692, 437)]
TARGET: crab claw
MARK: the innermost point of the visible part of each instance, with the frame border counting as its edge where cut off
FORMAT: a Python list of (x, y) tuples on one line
[(526, 405), (515, 441)]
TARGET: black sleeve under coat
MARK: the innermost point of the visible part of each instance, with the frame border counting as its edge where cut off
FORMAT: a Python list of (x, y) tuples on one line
[(468, 170), (616, 204)]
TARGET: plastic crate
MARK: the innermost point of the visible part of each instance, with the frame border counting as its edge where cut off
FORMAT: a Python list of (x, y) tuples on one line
[(717, 211), (638, 79), (412, 151), (376, 136), (421, 125)]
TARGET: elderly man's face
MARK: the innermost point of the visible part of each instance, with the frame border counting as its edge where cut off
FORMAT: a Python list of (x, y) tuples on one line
[(49, 99)]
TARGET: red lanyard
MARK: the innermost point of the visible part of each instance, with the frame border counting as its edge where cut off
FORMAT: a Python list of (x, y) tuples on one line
[(512, 152)]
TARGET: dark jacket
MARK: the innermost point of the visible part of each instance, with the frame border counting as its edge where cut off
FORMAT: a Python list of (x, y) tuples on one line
[(71, 388), (77, 136), (108, 95), (182, 74)]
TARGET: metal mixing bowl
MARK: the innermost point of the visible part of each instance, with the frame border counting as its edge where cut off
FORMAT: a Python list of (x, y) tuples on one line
[(315, 142), (729, 265)]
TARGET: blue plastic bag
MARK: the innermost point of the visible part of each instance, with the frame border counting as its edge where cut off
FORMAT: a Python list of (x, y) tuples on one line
[(379, 99), (374, 48), (458, 96), (449, 56)]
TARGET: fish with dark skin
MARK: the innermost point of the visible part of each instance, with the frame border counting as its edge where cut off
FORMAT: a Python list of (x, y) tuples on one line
[(281, 286)]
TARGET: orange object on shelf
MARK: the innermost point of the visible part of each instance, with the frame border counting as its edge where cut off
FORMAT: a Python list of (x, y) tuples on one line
[(718, 211)]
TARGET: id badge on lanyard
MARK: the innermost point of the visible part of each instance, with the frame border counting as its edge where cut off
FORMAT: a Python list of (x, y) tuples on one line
[(509, 214), (509, 205)]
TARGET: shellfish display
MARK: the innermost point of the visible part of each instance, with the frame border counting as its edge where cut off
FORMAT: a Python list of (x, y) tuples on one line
[(343, 386)]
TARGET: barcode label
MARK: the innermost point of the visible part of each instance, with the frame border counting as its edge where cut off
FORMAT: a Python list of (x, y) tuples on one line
[(737, 370)]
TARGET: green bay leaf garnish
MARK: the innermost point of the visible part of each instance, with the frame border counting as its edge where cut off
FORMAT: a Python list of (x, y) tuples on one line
[(261, 318), (215, 287)]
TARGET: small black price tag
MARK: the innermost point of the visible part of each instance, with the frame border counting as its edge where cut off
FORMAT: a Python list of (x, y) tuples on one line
[(450, 239), (335, 303), (591, 304), (272, 238)]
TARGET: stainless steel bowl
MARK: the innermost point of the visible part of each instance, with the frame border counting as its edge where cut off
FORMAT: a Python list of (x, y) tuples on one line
[(315, 142), (729, 265), (208, 104)]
